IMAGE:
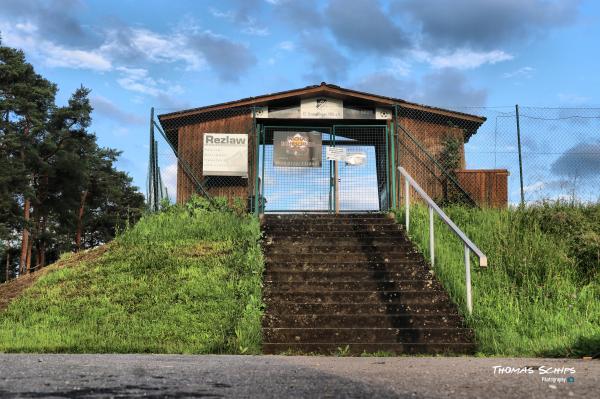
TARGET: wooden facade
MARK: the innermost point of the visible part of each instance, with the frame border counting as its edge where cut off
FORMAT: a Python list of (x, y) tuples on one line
[(488, 187), (190, 141), (428, 126)]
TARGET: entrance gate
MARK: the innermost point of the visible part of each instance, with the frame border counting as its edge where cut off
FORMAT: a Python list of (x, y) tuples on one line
[(362, 184)]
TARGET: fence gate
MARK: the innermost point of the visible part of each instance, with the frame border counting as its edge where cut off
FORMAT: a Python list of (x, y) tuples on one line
[(362, 183)]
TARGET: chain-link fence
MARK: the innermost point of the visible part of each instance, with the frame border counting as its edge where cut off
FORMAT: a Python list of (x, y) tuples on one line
[(462, 155), (182, 144), (560, 151)]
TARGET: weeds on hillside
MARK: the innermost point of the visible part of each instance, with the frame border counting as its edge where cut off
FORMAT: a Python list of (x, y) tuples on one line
[(540, 295), (184, 280)]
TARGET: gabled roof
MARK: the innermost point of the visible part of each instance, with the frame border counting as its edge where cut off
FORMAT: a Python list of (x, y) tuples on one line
[(324, 89)]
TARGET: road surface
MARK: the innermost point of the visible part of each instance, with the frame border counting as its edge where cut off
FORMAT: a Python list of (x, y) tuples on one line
[(174, 376)]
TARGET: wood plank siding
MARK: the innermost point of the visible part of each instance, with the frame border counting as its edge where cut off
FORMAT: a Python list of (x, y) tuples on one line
[(488, 187)]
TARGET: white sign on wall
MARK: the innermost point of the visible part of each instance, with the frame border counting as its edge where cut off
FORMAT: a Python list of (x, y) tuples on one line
[(383, 113), (262, 112), (225, 154), (321, 108), (336, 153)]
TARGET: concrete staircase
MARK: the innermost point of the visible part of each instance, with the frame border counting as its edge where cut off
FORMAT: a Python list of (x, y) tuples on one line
[(352, 284)]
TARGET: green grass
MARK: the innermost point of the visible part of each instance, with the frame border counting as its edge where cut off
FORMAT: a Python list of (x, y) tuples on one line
[(186, 280), (540, 295)]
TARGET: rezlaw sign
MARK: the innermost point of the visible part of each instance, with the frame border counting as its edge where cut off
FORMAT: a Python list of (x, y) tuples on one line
[(225, 154)]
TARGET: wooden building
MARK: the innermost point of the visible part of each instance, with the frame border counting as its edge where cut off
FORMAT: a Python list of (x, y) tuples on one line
[(393, 131)]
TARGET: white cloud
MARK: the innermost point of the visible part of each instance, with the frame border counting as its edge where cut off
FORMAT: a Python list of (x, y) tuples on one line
[(256, 31), (286, 45), (399, 67), (462, 58), (138, 80), (538, 185), (524, 72), (572, 98), (152, 46), (24, 36)]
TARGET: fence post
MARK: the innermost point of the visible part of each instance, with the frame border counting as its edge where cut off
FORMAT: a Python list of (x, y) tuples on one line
[(262, 178), (468, 278), (431, 237), (151, 192), (256, 155), (520, 157), (407, 203)]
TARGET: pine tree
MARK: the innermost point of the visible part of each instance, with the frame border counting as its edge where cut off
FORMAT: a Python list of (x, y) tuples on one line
[(25, 101)]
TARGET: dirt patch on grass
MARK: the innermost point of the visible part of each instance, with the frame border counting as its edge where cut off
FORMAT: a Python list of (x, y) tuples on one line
[(12, 289)]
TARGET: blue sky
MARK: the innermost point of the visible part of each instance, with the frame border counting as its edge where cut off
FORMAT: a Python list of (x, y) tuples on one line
[(178, 54)]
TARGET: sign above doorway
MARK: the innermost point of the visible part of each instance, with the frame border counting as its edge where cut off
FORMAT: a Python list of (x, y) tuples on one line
[(323, 108)]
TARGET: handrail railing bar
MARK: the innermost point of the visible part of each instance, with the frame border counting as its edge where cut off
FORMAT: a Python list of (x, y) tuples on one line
[(444, 217)]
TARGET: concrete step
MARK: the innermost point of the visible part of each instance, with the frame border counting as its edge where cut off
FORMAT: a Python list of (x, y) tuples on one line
[(334, 234), (328, 223), (401, 297), (356, 349), (302, 248), (327, 286), (274, 263), (371, 320), (387, 257), (360, 308), (282, 273), (310, 242), (367, 335), (337, 228), (325, 216)]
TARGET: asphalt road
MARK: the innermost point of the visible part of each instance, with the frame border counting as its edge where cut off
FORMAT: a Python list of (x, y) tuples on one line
[(170, 376)]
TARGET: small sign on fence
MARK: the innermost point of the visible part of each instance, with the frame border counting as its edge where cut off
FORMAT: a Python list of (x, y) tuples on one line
[(297, 149), (336, 153)]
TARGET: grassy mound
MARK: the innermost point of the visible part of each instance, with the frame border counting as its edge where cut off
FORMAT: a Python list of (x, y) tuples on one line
[(540, 295), (187, 280)]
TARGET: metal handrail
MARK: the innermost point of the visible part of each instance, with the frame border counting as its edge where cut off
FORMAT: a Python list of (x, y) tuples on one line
[(468, 244)]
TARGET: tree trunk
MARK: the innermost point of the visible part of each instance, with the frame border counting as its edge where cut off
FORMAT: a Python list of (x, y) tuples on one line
[(7, 265), (80, 220), (25, 239), (29, 248), (41, 260), (26, 208)]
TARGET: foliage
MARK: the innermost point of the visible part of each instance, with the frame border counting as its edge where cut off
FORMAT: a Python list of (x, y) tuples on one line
[(450, 159), (58, 189), (185, 280), (540, 295)]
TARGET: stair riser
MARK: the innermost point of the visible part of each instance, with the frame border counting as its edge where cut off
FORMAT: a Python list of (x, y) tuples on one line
[(370, 335), (360, 229), (333, 235), (348, 321), (309, 242), (408, 298), (357, 274), (358, 349), (401, 249), (360, 308), (337, 257), (350, 286), (328, 224)]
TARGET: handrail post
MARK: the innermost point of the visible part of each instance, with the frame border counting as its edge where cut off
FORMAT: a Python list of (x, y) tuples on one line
[(406, 202), (468, 279), (431, 237)]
